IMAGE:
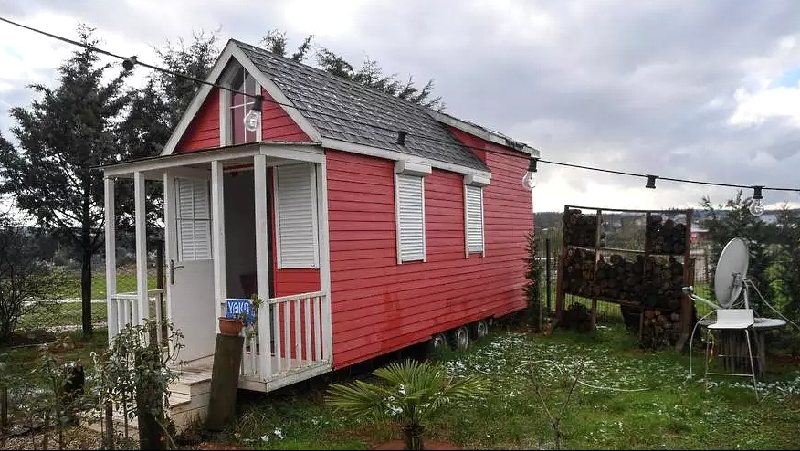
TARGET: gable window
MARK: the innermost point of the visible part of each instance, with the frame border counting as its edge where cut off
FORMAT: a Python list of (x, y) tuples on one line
[(239, 105), (296, 213), (194, 219), (410, 205), (473, 218)]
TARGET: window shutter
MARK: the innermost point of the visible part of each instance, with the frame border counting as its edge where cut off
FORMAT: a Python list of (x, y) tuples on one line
[(411, 217), (296, 191), (194, 219), (474, 206)]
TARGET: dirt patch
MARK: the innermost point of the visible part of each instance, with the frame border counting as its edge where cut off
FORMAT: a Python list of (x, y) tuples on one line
[(429, 444)]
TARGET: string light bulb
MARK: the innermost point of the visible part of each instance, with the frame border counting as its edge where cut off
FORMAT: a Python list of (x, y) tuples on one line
[(756, 206), (253, 117), (529, 179)]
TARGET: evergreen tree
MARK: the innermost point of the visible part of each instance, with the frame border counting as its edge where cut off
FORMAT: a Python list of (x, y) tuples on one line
[(370, 73), (64, 133)]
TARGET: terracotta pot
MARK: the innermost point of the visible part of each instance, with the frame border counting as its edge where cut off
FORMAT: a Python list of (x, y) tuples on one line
[(230, 326)]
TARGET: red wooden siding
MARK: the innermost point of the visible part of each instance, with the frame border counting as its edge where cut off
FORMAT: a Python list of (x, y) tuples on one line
[(380, 306), (276, 125), (475, 144), (203, 131), (291, 280)]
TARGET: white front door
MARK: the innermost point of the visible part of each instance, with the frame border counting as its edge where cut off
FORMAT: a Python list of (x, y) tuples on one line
[(190, 284)]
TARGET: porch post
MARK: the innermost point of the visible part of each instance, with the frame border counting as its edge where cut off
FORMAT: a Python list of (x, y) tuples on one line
[(111, 260), (218, 240), (143, 312), (169, 236), (262, 262), (325, 259)]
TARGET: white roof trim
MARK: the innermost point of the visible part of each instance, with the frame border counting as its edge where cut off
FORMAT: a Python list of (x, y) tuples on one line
[(484, 134), (233, 51), (345, 146)]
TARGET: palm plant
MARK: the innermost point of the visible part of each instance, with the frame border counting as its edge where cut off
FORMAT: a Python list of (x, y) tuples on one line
[(411, 393)]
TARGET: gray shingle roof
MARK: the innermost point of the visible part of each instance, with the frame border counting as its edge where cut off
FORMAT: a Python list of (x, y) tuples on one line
[(332, 105)]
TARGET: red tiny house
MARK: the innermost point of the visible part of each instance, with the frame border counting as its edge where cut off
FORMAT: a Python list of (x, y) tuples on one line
[(358, 240), (380, 306)]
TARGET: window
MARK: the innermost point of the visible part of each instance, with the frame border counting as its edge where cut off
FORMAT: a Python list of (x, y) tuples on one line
[(240, 105), (194, 219), (473, 207), (410, 200), (296, 210)]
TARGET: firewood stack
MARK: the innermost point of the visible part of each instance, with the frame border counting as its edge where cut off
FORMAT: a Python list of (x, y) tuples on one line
[(580, 229), (665, 237), (665, 279), (619, 278), (577, 317), (661, 329), (579, 272)]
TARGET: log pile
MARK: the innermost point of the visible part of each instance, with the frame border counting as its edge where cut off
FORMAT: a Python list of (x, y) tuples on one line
[(579, 272), (580, 229), (665, 237), (661, 329), (619, 278), (654, 282), (664, 283), (577, 317)]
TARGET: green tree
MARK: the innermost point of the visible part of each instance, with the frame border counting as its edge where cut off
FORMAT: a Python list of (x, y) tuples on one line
[(24, 274), (785, 273), (735, 220), (532, 289), (370, 73), (194, 59), (64, 133)]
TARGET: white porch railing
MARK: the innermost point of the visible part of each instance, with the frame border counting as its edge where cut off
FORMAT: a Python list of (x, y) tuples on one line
[(290, 336), (123, 309)]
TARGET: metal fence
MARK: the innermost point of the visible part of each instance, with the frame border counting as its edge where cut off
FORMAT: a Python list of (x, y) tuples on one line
[(64, 314)]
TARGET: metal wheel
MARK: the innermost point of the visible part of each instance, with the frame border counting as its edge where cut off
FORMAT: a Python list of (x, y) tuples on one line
[(482, 328), (438, 342), (459, 338)]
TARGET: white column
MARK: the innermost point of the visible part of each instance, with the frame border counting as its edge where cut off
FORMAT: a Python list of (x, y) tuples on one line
[(169, 236), (325, 259), (218, 240), (262, 262), (112, 308), (143, 310)]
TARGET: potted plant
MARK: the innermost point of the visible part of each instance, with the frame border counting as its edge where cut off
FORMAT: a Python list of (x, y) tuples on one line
[(412, 394), (232, 325)]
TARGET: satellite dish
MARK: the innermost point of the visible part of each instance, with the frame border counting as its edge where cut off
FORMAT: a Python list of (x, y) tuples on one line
[(731, 269)]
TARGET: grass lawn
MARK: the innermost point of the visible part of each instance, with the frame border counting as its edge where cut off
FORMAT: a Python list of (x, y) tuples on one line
[(43, 316), (628, 399), (125, 283)]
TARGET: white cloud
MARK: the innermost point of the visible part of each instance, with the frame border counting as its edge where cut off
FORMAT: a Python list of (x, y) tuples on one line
[(756, 107)]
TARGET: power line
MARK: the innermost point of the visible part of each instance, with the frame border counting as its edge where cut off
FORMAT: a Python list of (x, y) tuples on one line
[(129, 62)]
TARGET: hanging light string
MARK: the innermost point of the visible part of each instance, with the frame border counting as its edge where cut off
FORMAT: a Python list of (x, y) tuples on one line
[(129, 62)]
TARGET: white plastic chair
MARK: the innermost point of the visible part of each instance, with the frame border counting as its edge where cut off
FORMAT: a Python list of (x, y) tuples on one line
[(735, 319)]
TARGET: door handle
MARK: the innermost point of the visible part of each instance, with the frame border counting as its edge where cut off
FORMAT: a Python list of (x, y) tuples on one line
[(172, 271)]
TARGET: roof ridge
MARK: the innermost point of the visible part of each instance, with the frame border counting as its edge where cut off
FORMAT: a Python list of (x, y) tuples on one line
[(346, 81)]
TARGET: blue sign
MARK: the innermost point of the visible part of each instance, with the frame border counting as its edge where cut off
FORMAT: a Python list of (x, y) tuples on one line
[(234, 307)]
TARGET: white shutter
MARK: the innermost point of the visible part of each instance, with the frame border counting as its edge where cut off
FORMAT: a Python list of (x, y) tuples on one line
[(474, 208), (194, 220), (296, 210), (411, 217)]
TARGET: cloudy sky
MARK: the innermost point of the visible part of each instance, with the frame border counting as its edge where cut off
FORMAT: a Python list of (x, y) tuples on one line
[(703, 90)]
